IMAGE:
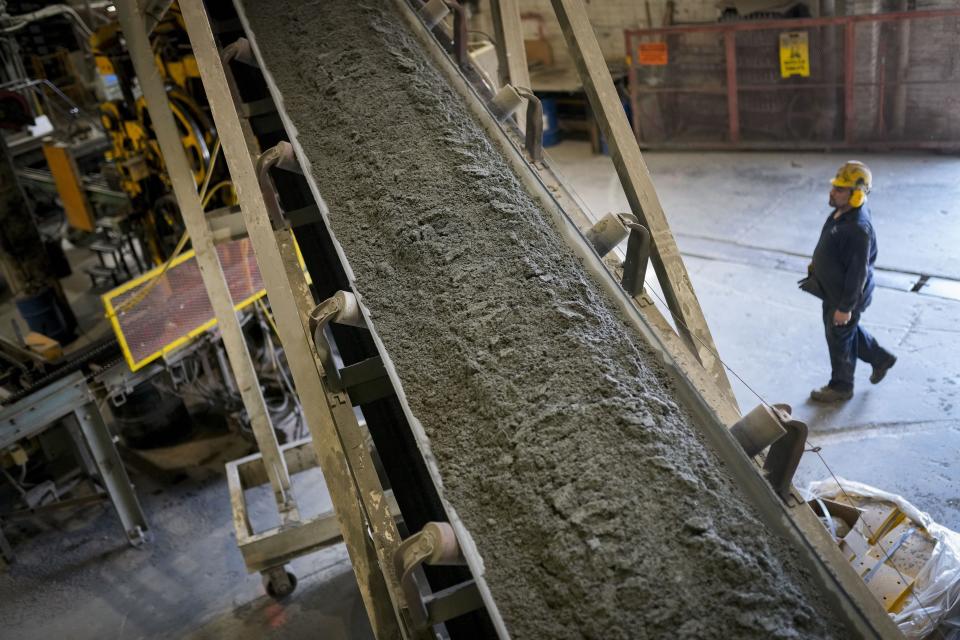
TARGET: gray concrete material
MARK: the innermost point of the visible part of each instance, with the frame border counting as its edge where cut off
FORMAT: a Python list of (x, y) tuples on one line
[(76, 578), (592, 498), (901, 435)]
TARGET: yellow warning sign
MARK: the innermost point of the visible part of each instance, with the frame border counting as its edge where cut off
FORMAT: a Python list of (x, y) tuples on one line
[(794, 54)]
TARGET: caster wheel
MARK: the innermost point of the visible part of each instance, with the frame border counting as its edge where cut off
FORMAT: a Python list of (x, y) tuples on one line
[(279, 584)]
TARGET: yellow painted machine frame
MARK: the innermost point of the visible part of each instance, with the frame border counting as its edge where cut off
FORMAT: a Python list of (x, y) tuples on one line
[(111, 309), (63, 168), (134, 151)]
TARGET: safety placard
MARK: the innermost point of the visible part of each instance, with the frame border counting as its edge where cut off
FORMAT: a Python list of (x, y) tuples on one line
[(794, 54), (652, 53)]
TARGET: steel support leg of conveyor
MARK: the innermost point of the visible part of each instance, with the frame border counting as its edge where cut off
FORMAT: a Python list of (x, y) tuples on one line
[(109, 466), (638, 186), (508, 28), (181, 176), (355, 490)]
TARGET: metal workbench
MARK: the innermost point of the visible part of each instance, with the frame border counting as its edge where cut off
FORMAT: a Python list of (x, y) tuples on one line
[(72, 401)]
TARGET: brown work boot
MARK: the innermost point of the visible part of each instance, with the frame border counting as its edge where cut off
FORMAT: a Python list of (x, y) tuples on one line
[(829, 394), (880, 372)]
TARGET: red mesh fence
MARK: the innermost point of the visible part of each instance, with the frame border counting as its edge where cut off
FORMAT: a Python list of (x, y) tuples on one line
[(886, 80), (177, 308)]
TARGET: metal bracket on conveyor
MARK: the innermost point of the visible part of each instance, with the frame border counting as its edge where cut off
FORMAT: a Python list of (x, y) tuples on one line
[(435, 544), (280, 155), (241, 51), (264, 110), (773, 427), (609, 232), (507, 101), (434, 11), (364, 381)]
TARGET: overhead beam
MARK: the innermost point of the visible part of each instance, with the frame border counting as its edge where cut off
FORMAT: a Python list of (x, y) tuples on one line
[(511, 54), (638, 186)]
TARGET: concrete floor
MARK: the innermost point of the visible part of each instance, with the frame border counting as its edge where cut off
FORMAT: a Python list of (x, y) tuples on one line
[(75, 577), (746, 223)]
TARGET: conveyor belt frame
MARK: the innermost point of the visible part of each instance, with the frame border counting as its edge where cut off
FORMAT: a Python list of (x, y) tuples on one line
[(709, 403)]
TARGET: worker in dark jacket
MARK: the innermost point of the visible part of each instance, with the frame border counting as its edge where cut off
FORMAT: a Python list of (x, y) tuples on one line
[(843, 268)]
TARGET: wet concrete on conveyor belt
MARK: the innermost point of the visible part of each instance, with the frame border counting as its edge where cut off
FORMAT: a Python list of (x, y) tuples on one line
[(597, 506)]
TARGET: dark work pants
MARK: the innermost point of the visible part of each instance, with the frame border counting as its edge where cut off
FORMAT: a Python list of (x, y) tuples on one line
[(846, 344)]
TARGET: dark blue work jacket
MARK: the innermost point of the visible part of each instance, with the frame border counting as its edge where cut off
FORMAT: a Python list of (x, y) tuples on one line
[(844, 257)]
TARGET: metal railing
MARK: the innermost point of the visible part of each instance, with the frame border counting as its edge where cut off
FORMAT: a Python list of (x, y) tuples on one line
[(870, 81)]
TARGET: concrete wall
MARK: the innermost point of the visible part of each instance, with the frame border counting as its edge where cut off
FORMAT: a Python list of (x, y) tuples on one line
[(609, 19), (932, 109)]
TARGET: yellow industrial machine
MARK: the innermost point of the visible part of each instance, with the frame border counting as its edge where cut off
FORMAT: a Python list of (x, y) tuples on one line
[(135, 155), (69, 185)]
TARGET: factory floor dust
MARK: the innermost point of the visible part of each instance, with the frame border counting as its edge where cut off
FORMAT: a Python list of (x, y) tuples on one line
[(75, 576), (596, 504)]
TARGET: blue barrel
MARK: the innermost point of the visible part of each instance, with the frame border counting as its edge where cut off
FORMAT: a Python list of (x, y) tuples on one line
[(551, 122), (43, 314)]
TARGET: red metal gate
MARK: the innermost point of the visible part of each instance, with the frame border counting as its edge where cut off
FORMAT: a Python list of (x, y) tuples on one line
[(888, 80)]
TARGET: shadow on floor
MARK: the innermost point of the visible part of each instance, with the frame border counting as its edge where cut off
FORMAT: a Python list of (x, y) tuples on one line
[(328, 607)]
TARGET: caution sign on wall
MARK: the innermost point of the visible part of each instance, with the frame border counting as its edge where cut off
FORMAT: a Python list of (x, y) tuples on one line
[(794, 54), (652, 53)]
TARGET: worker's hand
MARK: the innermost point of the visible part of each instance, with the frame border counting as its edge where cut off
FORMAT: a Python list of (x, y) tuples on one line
[(841, 318)]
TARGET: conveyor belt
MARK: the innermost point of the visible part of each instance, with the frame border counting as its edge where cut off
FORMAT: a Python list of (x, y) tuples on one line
[(592, 496), (104, 352)]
